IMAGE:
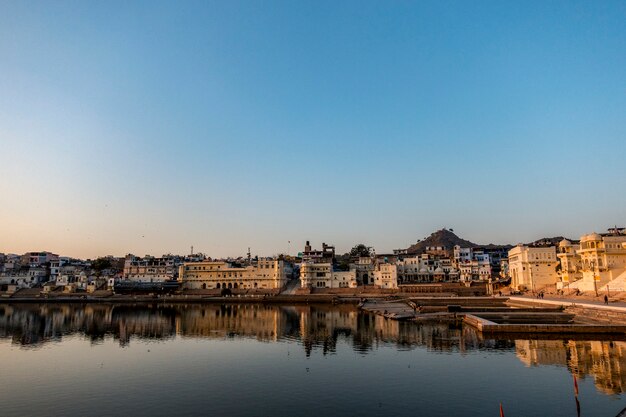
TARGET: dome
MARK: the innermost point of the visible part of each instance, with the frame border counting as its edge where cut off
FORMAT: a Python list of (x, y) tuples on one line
[(564, 243), (438, 270), (592, 236)]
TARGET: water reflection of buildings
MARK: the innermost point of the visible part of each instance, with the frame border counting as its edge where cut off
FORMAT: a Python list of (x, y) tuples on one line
[(32, 324), (315, 326), (263, 322), (604, 360), (318, 328)]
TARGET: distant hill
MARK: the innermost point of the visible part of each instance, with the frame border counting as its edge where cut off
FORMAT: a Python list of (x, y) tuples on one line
[(444, 238), (548, 241)]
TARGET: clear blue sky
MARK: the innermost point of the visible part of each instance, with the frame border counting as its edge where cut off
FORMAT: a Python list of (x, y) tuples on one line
[(149, 127)]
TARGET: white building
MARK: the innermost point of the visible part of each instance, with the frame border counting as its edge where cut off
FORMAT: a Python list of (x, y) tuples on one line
[(473, 264), (386, 275), (571, 268), (532, 268), (603, 261), (462, 254), (25, 277), (426, 268), (150, 269), (321, 275)]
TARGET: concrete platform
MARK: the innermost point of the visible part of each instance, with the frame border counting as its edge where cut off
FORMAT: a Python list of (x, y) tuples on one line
[(487, 326), (569, 302), (586, 312)]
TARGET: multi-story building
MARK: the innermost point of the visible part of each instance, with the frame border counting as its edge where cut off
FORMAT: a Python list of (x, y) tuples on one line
[(603, 261), (408, 269), (11, 263), (264, 274), (322, 275), (476, 264), (55, 266), (462, 255), (37, 258), (150, 269), (439, 251), (317, 269), (497, 254), (571, 269), (364, 268), (476, 269), (386, 275), (532, 267), (25, 277), (426, 268), (326, 255)]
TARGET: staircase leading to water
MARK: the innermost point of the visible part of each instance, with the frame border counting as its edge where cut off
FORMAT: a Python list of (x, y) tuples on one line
[(617, 284)]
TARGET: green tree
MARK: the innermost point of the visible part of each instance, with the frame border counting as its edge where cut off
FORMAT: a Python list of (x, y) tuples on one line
[(101, 263), (360, 250)]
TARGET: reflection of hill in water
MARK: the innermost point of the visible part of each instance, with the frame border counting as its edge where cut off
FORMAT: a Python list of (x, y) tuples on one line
[(604, 360), (316, 327)]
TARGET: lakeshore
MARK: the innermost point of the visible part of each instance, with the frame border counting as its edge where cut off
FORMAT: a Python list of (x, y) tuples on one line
[(495, 314)]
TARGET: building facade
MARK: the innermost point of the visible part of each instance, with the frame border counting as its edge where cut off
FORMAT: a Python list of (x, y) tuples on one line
[(264, 274), (426, 268), (532, 268), (386, 275), (364, 269), (570, 267), (150, 269), (603, 261), (322, 275)]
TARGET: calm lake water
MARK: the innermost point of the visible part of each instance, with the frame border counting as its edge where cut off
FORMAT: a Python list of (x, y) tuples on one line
[(266, 360)]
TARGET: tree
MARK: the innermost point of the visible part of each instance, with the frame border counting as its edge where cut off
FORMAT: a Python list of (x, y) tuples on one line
[(101, 263), (360, 250)]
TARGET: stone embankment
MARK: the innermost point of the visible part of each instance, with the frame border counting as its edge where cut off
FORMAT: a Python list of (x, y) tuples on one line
[(504, 315), (430, 308), (585, 311), (36, 296)]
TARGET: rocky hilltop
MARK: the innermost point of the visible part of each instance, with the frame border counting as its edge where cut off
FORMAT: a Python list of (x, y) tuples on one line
[(444, 238), (447, 239)]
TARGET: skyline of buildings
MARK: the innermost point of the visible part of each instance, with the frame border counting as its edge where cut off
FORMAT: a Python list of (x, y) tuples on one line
[(596, 262)]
